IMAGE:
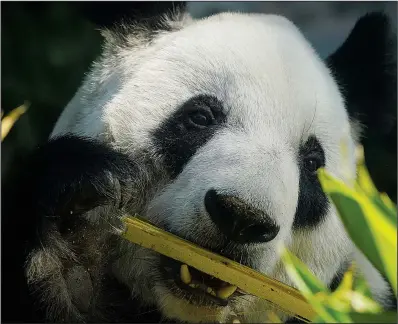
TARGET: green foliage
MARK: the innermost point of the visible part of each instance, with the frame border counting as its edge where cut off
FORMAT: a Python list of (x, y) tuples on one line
[(370, 219)]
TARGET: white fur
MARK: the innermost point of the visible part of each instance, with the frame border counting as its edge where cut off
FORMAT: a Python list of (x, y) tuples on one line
[(277, 92)]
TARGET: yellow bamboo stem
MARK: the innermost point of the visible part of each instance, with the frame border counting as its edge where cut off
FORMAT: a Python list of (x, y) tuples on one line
[(282, 296)]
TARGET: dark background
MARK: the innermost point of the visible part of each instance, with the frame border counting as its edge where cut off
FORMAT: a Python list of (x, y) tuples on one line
[(47, 47)]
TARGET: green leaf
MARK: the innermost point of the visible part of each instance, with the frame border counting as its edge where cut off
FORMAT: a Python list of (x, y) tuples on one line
[(385, 317), (370, 229), (364, 180), (312, 288), (338, 299), (357, 227), (387, 201), (361, 303), (366, 185), (338, 307), (303, 277), (347, 282), (375, 238), (360, 285), (337, 315), (387, 209)]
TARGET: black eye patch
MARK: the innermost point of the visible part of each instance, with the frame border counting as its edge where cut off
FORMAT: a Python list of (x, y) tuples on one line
[(190, 127), (312, 156), (312, 203)]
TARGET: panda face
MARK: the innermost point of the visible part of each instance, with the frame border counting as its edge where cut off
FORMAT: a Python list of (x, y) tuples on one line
[(238, 113), (241, 113)]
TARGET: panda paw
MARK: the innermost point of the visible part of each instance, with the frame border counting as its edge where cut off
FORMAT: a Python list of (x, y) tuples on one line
[(72, 175), (56, 254)]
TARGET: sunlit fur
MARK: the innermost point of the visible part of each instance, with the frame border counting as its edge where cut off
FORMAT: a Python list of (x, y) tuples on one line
[(277, 93)]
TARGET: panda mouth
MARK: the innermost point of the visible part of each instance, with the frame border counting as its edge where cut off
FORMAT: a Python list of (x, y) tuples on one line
[(197, 287)]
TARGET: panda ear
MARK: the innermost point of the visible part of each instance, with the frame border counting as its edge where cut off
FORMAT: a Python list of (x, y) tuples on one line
[(365, 69), (106, 14)]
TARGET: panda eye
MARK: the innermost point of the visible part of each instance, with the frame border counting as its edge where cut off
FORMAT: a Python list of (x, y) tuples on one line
[(312, 155), (200, 113), (312, 164), (200, 119)]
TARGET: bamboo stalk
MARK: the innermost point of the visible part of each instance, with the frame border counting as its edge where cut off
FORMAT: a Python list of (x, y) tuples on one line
[(282, 296)]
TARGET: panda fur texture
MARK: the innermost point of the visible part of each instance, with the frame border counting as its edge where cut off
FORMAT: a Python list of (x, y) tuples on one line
[(195, 125)]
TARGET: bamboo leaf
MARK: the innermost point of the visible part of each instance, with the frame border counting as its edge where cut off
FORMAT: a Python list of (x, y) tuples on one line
[(360, 285), (311, 287), (347, 282), (366, 185), (11, 118), (363, 178), (387, 209), (337, 315), (305, 280), (369, 227), (387, 201), (361, 303), (385, 317)]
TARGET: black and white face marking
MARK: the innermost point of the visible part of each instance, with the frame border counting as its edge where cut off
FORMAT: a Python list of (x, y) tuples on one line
[(312, 203), (168, 98), (252, 153), (188, 129)]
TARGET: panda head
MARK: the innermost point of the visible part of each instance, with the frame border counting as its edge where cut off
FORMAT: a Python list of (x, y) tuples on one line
[(236, 112)]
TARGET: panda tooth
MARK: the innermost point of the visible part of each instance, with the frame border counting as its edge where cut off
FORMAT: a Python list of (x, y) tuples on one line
[(210, 291), (185, 274), (226, 292), (192, 285)]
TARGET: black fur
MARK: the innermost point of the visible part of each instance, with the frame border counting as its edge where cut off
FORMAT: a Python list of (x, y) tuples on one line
[(365, 67), (66, 174), (143, 20), (312, 203), (106, 14), (177, 139)]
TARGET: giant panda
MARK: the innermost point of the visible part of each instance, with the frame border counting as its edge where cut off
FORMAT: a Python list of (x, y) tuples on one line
[(213, 129)]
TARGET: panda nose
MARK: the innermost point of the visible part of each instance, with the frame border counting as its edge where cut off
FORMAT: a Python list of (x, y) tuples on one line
[(239, 221)]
